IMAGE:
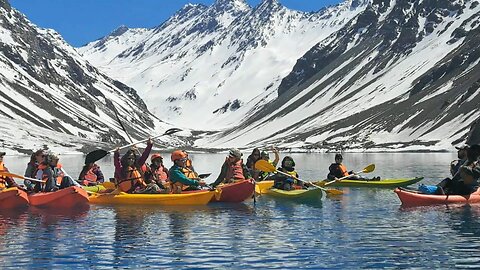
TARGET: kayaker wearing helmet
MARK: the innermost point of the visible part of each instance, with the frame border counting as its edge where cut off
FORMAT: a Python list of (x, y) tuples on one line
[(265, 156), (6, 181), (284, 182), (53, 174), (128, 170), (180, 182), (339, 170), (232, 169), (158, 173)]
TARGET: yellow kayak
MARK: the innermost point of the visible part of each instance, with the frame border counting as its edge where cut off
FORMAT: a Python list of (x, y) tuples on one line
[(296, 194), (263, 186), (384, 183), (193, 198)]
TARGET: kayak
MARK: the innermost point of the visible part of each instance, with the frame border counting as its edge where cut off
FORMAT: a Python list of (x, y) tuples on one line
[(296, 194), (94, 189), (193, 198), (235, 192), (63, 198), (385, 183), (412, 198), (13, 198), (263, 186)]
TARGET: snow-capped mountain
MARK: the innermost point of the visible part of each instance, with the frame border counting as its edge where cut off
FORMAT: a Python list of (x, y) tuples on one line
[(372, 74), (401, 75), (207, 67), (51, 96)]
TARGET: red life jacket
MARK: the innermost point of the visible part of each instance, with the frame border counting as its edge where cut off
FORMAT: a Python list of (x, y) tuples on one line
[(161, 173), (90, 175), (234, 170), (133, 179)]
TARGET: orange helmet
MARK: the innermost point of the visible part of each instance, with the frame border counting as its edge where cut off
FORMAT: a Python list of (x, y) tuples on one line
[(155, 156), (178, 154)]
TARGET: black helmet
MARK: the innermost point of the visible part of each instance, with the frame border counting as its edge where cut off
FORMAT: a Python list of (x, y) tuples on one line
[(288, 158), (338, 156)]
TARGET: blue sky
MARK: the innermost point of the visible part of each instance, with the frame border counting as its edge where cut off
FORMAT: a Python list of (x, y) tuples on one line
[(82, 21)]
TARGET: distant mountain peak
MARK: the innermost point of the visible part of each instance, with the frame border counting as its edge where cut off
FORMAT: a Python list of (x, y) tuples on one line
[(119, 31)]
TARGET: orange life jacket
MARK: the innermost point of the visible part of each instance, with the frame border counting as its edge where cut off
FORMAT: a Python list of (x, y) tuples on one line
[(133, 178), (3, 179), (90, 175), (343, 169), (59, 176), (189, 173), (234, 170)]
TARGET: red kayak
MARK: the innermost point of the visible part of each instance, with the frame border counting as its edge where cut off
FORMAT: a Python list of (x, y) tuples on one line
[(13, 198), (235, 192), (412, 198), (63, 198)]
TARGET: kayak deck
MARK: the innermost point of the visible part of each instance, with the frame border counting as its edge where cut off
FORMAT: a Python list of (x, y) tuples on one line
[(385, 183), (194, 198), (296, 194), (64, 198), (411, 198), (236, 192)]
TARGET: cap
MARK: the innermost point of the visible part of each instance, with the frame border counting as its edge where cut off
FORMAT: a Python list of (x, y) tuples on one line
[(462, 147)]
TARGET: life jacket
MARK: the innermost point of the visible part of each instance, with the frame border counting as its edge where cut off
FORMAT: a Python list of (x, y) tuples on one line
[(3, 179), (43, 176), (343, 170), (130, 182), (90, 175), (234, 170), (189, 173), (293, 174), (160, 174)]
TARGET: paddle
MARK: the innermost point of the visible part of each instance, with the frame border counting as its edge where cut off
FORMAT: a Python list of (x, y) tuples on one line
[(368, 169), (9, 174), (265, 166), (167, 132)]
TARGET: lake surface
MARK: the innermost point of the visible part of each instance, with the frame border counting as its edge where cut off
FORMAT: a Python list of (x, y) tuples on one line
[(365, 228)]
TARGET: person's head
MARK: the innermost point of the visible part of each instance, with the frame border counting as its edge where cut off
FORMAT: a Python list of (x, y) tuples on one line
[(234, 154), (129, 159), (179, 158), (473, 152), (157, 159), (462, 151), (256, 153), (288, 162), (38, 156), (264, 155), (338, 158), (52, 159), (2, 154)]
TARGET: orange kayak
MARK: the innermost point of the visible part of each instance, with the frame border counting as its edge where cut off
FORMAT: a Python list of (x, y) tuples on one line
[(235, 192), (412, 198), (64, 198), (13, 198)]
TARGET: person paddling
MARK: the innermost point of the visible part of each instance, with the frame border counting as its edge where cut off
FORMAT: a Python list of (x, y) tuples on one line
[(232, 169), (37, 158), (53, 175), (91, 175), (129, 172), (455, 165), (284, 182), (466, 181), (179, 181), (6, 181), (338, 170)]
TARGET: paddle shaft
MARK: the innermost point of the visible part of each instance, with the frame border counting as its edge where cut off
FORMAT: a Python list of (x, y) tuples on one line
[(296, 178), (168, 132), (342, 178), (20, 176)]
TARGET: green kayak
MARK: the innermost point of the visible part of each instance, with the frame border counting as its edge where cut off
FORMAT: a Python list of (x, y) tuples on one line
[(384, 183), (296, 194)]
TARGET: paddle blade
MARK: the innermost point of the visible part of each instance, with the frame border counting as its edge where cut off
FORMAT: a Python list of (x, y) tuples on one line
[(334, 192), (204, 175), (95, 155), (369, 168), (171, 131), (264, 166)]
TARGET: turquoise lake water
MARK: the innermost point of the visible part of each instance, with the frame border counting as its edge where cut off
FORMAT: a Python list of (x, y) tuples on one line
[(365, 228)]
